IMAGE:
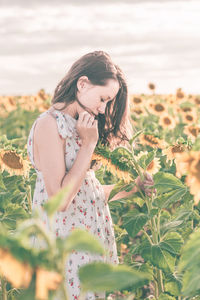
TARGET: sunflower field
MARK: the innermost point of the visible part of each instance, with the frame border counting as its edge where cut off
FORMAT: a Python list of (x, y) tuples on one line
[(158, 237)]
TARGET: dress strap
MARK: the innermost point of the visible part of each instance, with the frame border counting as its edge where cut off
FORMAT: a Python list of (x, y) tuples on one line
[(66, 123)]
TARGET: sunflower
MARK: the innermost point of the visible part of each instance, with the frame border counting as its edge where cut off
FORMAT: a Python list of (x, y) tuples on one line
[(158, 109), (189, 117), (154, 166), (137, 111), (179, 94), (189, 163), (45, 281), (192, 131), (186, 109), (136, 101), (152, 141), (197, 101), (152, 87), (13, 162), (10, 266), (166, 121), (140, 154), (9, 104), (173, 151), (124, 175)]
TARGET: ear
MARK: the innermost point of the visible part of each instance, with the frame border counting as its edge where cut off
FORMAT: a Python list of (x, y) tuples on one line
[(82, 83)]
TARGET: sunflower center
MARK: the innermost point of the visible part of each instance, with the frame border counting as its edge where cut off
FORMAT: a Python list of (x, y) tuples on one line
[(178, 149), (167, 121), (194, 131), (137, 100), (159, 107), (189, 117), (138, 111), (186, 109), (12, 160), (197, 101)]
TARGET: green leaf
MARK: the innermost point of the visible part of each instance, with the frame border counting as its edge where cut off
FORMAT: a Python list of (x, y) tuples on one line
[(162, 258), (164, 296), (135, 136), (139, 201), (55, 202), (172, 243), (99, 276), (191, 283), (173, 285), (190, 258), (134, 221), (170, 226), (167, 199), (189, 264), (12, 214), (157, 254), (146, 159), (2, 186), (165, 182), (153, 212), (81, 240)]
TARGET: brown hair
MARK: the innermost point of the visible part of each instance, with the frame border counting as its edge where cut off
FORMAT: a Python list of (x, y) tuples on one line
[(99, 68)]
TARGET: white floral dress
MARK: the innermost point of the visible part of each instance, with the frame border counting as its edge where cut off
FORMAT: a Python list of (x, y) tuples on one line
[(88, 210)]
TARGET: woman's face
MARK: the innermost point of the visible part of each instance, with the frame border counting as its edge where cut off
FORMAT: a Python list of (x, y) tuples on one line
[(96, 97)]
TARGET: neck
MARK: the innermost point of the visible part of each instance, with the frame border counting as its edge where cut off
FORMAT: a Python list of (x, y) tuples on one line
[(72, 109)]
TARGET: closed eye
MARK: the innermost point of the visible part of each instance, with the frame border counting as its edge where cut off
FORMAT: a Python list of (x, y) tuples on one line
[(102, 100)]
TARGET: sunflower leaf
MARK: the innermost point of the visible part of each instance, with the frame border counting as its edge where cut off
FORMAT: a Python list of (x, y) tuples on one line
[(81, 240), (167, 199), (165, 182), (134, 221), (2, 186), (98, 276)]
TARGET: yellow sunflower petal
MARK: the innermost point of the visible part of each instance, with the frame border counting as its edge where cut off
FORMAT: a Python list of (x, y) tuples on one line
[(45, 281), (17, 273)]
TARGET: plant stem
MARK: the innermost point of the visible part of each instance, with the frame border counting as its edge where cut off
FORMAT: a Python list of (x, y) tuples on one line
[(64, 292), (160, 281), (192, 222), (156, 284), (155, 230), (138, 168), (3, 288), (29, 200), (148, 237)]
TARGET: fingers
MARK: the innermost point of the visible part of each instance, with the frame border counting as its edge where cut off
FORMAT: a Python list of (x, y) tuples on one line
[(86, 119), (147, 184), (148, 176)]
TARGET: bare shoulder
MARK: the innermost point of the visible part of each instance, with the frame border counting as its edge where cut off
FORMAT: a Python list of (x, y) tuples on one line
[(46, 128)]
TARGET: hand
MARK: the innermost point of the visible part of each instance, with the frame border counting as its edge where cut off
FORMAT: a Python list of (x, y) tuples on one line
[(146, 185), (87, 128)]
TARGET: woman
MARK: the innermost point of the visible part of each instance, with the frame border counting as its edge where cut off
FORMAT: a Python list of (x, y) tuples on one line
[(89, 104)]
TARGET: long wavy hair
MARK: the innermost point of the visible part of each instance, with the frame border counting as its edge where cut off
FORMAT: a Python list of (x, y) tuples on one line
[(99, 68)]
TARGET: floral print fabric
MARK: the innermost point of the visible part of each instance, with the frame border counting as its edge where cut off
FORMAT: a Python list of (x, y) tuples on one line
[(88, 210)]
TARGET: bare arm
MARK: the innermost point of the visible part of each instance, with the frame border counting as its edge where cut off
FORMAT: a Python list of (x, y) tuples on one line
[(51, 155), (145, 185), (77, 173), (120, 195)]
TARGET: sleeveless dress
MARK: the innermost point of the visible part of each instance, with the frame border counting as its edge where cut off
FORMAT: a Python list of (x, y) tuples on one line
[(88, 210)]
